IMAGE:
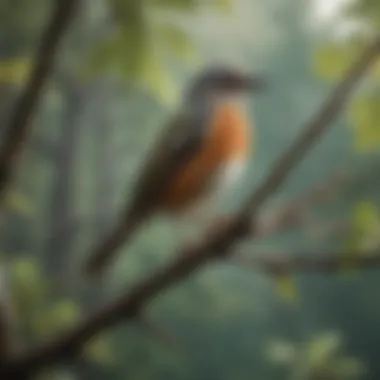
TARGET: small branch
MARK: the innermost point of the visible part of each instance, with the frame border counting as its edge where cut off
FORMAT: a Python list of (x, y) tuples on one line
[(214, 245), (326, 229), (156, 331), (17, 130), (328, 263), (293, 213)]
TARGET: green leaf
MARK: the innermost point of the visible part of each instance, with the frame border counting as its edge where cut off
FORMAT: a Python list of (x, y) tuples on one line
[(364, 215), (375, 70), (178, 43), (27, 282), (124, 49), (157, 79), (331, 61), (17, 202), (365, 114), (104, 55), (99, 350), (65, 312), (14, 70), (286, 287), (323, 348), (364, 233), (60, 316)]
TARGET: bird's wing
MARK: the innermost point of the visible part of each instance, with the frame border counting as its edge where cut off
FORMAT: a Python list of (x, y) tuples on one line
[(181, 139)]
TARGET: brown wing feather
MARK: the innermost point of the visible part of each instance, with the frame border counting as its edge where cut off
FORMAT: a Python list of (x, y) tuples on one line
[(181, 139)]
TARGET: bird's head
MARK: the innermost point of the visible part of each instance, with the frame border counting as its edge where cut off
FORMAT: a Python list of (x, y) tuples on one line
[(225, 81)]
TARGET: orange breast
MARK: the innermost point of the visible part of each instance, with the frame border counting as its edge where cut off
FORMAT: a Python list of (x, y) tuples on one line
[(227, 139)]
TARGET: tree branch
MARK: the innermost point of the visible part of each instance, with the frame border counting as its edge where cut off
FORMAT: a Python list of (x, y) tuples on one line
[(17, 130), (16, 133), (328, 263), (293, 213), (214, 245)]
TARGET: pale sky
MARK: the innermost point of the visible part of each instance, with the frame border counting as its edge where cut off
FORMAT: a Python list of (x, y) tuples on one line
[(326, 10), (329, 13)]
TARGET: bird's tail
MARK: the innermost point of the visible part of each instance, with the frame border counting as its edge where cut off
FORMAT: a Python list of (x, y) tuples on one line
[(107, 249)]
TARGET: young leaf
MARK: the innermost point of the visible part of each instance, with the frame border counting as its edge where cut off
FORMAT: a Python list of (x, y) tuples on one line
[(365, 114), (14, 70), (156, 78), (17, 202), (178, 43), (99, 350), (286, 287)]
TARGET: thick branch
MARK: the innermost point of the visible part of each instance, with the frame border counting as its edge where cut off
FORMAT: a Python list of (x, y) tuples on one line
[(215, 245), (17, 130)]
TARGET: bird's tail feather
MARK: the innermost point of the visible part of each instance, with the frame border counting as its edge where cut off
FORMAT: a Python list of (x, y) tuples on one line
[(107, 249)]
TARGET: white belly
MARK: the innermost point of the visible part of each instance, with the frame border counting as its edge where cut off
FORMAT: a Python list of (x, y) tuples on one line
[(223, 181), (229, 174), (219, 185)]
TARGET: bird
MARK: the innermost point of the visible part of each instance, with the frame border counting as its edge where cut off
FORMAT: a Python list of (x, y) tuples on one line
[(205, 147)]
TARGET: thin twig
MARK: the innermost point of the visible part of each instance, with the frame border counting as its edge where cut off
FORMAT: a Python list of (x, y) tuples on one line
[(293, 213), (308, 263), (157, 331)]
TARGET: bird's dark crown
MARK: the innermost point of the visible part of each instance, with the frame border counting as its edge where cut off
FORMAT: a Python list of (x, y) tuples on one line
[(224, 79)]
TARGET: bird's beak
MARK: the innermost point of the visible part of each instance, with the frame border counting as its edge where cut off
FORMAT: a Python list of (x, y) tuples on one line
[(256, 83)]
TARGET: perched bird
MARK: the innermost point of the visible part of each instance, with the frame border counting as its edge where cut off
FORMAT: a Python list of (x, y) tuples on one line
[(204, 148)]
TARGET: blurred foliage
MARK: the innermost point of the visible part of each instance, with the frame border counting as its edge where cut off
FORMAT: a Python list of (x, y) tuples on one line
[(14, 71), (365, 230), (134, 38), (367, 11), (99, 349), (43, 316), (286, 287), (332, 59), (21, 23), (18, 203), (320, 358), (143, 37), (92, 129), (365, 114)]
